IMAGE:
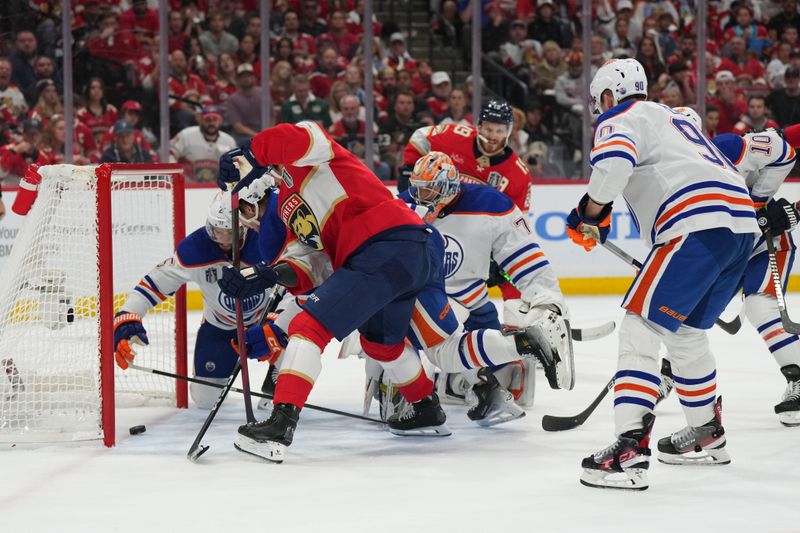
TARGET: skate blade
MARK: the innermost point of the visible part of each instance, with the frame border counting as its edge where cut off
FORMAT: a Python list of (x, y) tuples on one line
[(494, 419), (789, 419), (428, 431), (703, 458), (630, 479), (273, 452)]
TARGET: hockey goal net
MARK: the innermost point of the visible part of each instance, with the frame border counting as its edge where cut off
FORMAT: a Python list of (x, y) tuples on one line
[(93, 233)]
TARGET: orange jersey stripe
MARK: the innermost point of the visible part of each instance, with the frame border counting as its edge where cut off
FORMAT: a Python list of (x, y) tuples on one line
[(637, 302), (474, 295), (700, 392), (638, 388), (775, 333), (702, 198), (516, 267), (429, 336), (471, 350), (612, 143), (151, 289)]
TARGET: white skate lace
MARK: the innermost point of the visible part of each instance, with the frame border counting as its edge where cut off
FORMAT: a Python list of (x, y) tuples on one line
[(683, 438), (407, 413), (792, 393), (611, 450)]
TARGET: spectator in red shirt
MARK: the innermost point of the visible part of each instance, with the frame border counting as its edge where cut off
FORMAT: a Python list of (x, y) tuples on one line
[(113, 43), (54, 140), (442, 86), (15, 157), (48, 102), (741, 63), (421, 79), (187, 92), (140, 20), (97, 113), (731, 106), (225, 79), (176, 36), (131, 111), (342, 40), (327, 71), (756, 118), (303, 43), (398, 57)]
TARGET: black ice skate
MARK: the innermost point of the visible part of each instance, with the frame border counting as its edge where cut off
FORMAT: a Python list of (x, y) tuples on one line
[(270, 438), (422, 418), (667, 381), (490, 404), (268, 387), (704, 445), (552, 347), (788, 410), (624, 464)]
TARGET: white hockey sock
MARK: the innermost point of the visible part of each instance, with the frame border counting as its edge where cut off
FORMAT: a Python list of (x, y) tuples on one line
[(694, 372), (637, 379), (405, 368), (472, 350), (762, 312)]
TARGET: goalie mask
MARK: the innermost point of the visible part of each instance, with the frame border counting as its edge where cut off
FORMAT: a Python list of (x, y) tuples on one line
[(434, 182), (219, 220)]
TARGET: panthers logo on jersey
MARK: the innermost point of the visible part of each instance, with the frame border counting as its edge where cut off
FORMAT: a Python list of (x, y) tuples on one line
[(296, 214), (453, 256)]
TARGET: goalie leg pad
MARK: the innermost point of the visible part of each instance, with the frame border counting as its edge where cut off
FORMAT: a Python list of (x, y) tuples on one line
[(204, 396), (549, 340)]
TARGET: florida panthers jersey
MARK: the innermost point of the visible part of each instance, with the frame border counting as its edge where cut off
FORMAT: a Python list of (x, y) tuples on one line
[(764, 159), (329, 200), (673, 178), (478, 225), (199, 259), (505, 171)]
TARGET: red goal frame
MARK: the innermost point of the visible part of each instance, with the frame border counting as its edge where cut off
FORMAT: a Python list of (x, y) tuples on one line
[(105, 173)]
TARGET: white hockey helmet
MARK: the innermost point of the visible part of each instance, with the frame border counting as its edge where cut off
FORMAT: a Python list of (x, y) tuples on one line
[(219, 217), (623, 77), (691, 114)]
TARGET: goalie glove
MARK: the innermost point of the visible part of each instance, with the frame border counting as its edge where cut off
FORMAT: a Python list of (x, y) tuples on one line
[(239, 165), (264, 342), (585, 231), (248, 281), (777, 217), (128, 330)]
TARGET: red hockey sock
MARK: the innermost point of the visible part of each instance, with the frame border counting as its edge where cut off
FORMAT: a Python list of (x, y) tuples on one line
[(509, 291), (418, 388), (293, 389)]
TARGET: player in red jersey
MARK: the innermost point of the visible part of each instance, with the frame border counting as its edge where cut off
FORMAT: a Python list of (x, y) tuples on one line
[(331, 203), (481, 154)]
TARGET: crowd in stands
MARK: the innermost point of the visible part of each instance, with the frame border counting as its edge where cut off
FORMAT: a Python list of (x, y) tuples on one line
[(316, 72), (752, 63)]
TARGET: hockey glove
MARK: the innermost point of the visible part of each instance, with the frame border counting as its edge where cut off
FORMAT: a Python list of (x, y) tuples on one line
[(128, 330), (585, 231), (239, 165), (248, 281), (777, 217), (265, 342)]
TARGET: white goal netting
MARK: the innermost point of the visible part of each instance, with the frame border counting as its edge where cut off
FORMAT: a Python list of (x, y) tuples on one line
[(50, 330)]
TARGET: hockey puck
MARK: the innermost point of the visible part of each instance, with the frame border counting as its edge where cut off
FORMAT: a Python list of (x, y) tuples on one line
[(136, 430)]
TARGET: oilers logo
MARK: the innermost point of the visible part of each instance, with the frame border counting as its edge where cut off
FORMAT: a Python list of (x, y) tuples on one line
[(250, 305), (453, 256)]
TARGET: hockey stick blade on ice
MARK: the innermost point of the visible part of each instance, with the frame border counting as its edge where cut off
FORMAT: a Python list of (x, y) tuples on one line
[(594, 332), (563, 423), (197, 449), (792, 328), (732, 327), (308, 406)]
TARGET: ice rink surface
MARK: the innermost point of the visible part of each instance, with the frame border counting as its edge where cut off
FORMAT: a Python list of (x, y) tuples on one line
[(348, 475)]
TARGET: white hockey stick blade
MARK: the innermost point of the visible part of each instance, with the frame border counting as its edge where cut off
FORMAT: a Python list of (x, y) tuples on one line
[(594, 332)]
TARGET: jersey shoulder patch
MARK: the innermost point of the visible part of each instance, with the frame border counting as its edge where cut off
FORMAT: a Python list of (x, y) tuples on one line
[(481, 199), (197, 249), (731, 146)]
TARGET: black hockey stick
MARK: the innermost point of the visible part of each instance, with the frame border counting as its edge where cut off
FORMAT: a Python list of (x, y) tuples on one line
[(256, 394), (240, 346), (732, 327), (198, 449), (790, 327), (563, 423)]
